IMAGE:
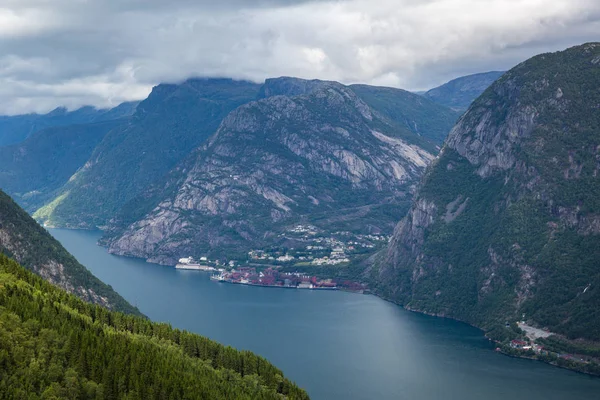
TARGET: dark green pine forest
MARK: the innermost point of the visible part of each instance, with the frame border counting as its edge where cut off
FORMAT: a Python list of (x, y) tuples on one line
[(55, 346)]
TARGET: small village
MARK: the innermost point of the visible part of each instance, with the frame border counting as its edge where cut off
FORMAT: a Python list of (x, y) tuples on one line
[(273, 278), (312, 248), (528, 347), (317, 248)]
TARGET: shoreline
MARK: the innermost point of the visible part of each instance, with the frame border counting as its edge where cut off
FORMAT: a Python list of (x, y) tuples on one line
[(370, 292), (273, 286), (500, 346)]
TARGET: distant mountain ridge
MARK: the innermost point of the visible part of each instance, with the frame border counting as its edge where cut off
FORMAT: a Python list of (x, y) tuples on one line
[(15, 129), (459, 93), (34, 169)]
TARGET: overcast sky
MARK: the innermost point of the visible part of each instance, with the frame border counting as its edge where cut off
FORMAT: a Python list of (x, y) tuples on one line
[(103, 52)]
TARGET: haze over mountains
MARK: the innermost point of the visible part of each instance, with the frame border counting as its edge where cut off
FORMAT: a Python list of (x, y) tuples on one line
[(41, 155), (14, 129)]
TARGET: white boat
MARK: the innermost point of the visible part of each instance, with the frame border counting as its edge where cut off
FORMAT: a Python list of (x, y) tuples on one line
[(195, 267)]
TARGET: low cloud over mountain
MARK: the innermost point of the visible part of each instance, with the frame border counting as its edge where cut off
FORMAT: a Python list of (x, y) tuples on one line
[(96, 52)]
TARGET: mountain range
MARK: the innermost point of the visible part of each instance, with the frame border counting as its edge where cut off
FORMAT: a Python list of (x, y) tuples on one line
[(15, 129), (324, 157), (165, 128), (499, 218), (33, 170), (142, 159)]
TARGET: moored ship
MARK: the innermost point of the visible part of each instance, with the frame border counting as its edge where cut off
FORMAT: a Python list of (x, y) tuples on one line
[(191, 264)]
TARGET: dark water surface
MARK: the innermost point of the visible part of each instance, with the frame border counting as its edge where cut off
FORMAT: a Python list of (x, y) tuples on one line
[(336, 345)]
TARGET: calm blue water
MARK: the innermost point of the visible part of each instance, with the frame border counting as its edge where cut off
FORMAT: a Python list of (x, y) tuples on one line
[(336, 345)]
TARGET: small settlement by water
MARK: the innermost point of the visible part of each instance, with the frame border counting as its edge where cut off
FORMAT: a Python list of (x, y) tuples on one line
[(269, 277), (273, 278)]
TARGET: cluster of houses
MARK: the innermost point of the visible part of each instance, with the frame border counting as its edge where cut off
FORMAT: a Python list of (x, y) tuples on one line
[(338, 256), (272, 277)]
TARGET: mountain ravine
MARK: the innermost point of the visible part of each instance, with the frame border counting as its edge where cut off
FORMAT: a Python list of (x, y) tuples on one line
[(506, 223), (324, 157)]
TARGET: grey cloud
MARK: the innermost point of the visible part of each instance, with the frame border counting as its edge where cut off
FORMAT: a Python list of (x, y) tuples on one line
[(102, 52)]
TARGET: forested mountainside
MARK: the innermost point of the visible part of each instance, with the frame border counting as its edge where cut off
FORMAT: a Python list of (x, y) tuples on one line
[(165, 128), (32, 170), (31, 245), (459, 93), (15, 129), (324, 157), (506, 224), (55, 346)]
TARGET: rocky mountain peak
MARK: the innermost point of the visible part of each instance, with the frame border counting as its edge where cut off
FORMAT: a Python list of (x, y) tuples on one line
[(288, 86)]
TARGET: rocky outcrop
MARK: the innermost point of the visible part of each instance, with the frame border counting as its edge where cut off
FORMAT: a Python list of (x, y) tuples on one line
[(276, 162), (505, 222), (289, 86)]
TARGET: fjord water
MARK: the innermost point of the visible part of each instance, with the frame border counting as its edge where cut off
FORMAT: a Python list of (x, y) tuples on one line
[(336, 345)]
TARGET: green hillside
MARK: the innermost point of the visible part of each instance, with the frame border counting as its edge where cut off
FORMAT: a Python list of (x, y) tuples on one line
[(55, 346), (165, 128), (31, 245), (410, 112), (32, 170), (506, 225)]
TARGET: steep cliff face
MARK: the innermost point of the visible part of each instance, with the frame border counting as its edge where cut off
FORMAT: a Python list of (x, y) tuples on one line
[(506, 219), (324, 157), (31, 245), (165, 128)]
